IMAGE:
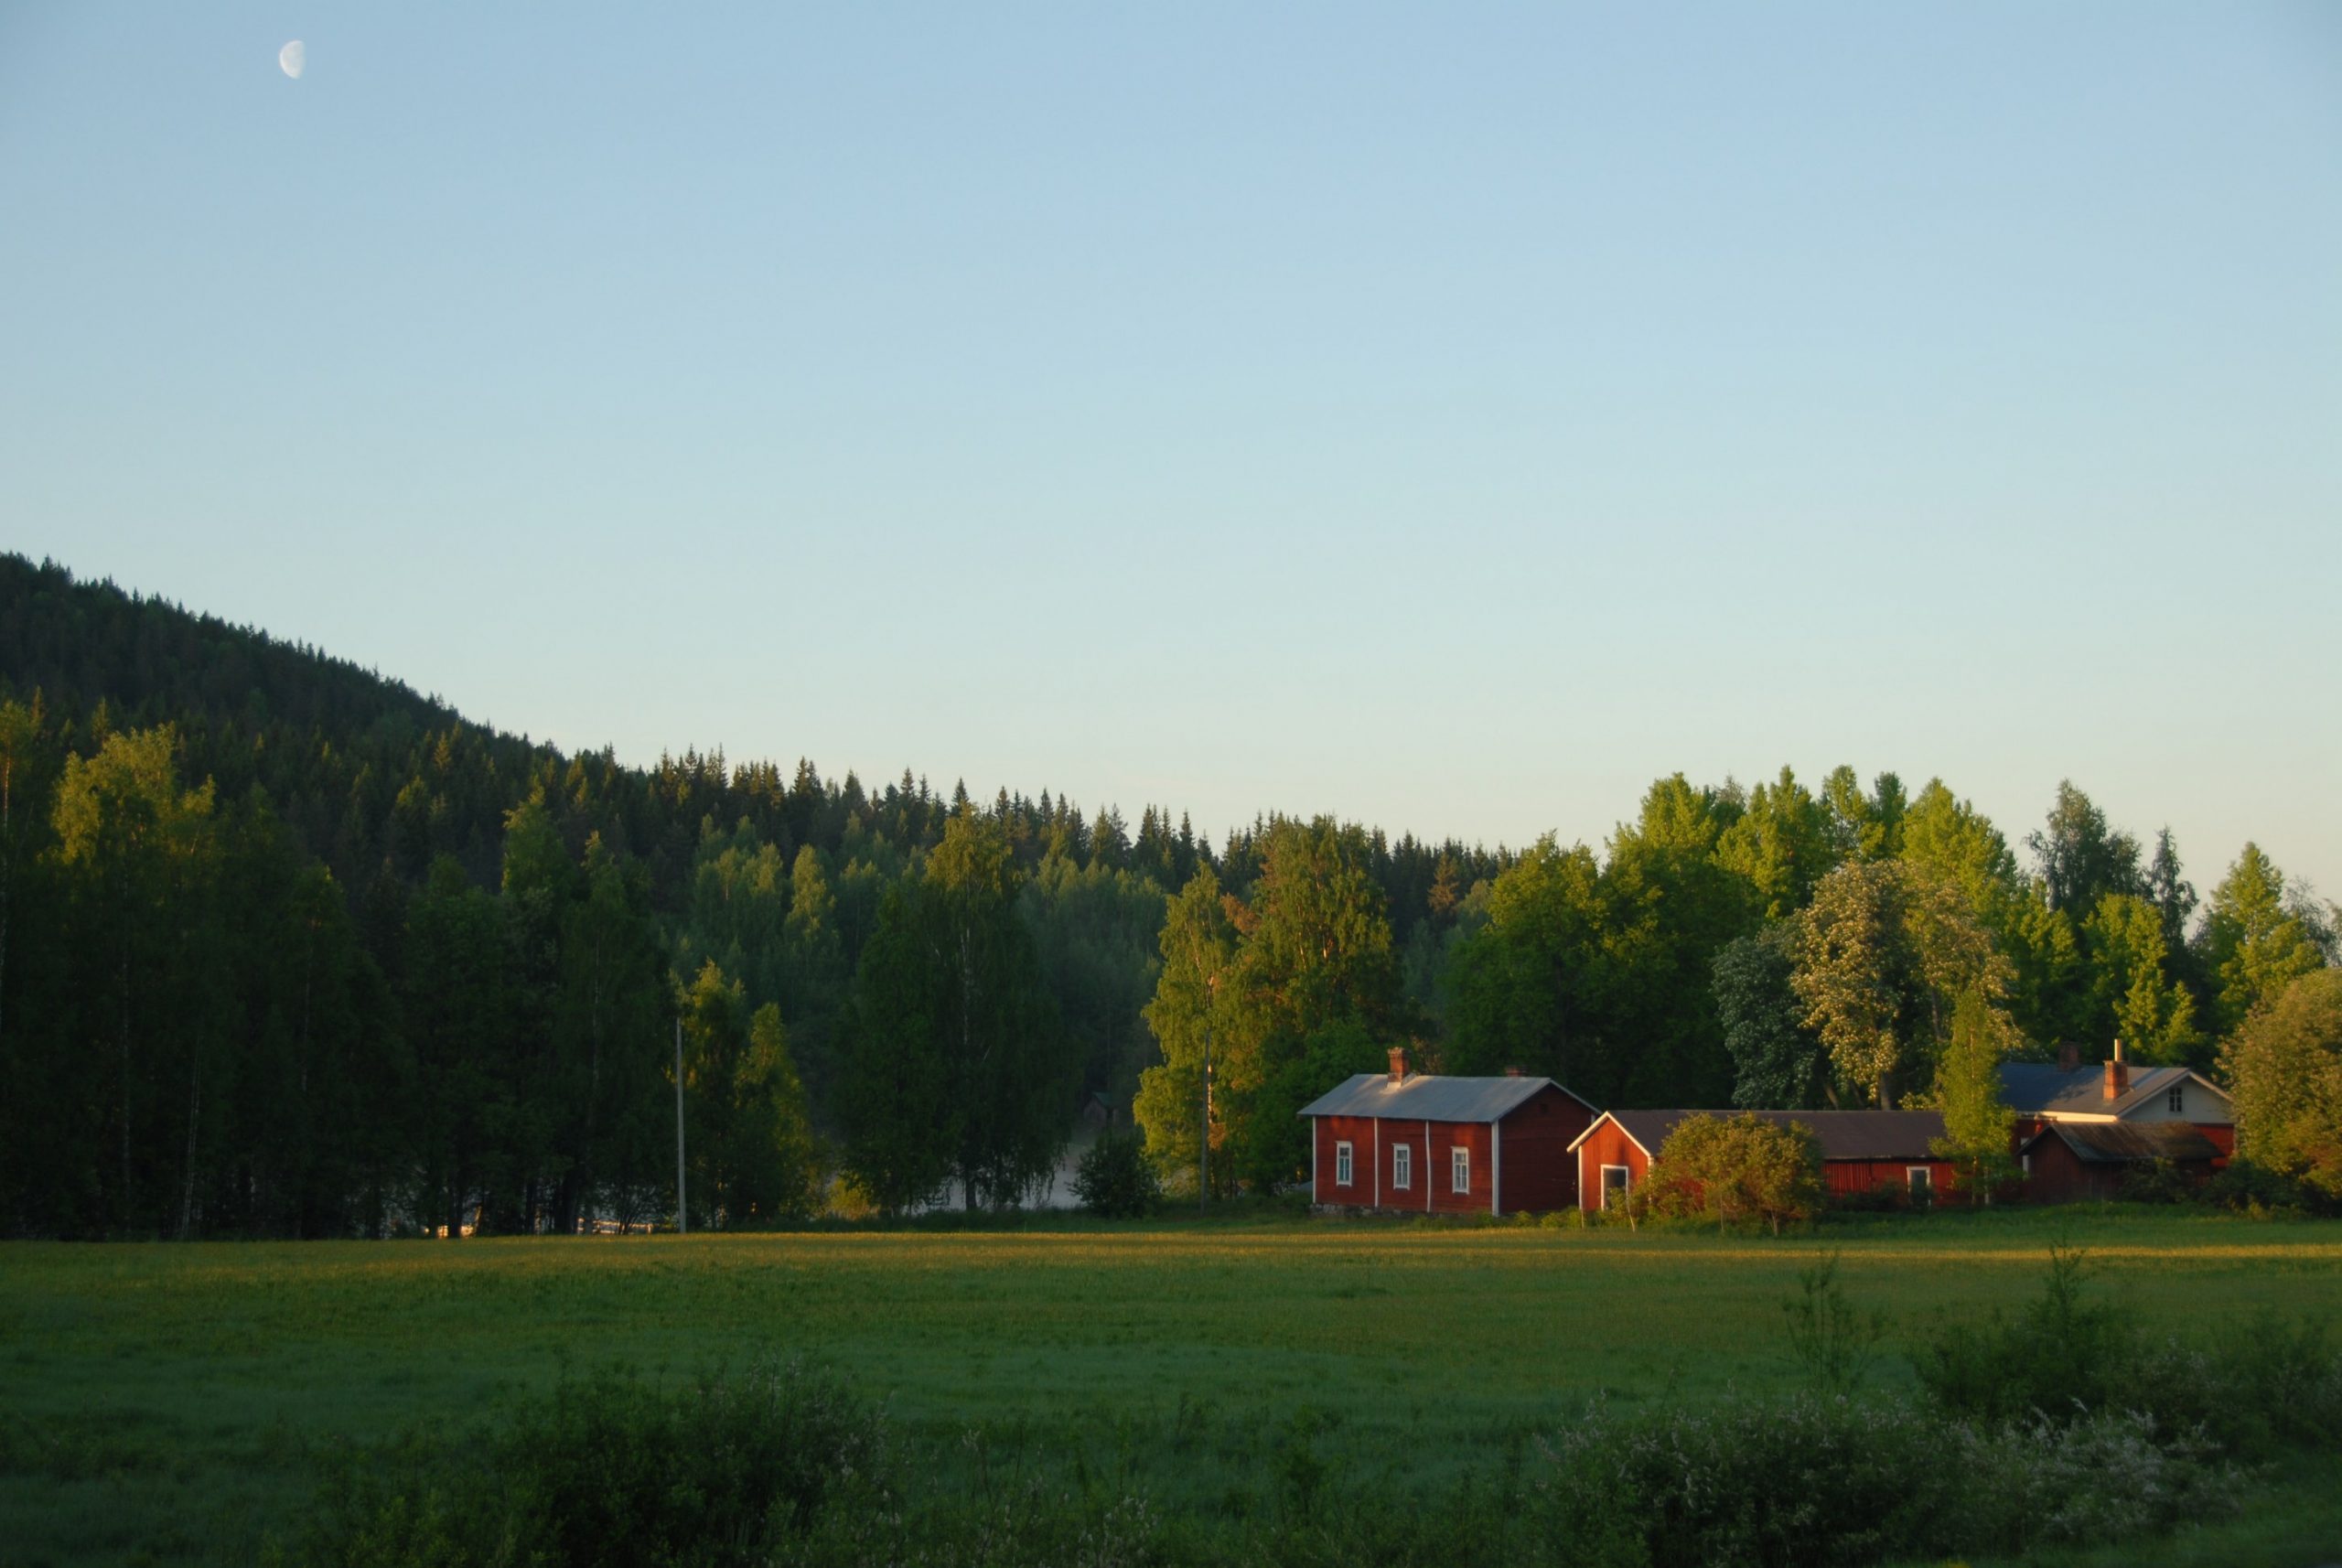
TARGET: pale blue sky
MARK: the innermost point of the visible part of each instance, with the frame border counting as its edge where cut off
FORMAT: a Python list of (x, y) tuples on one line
[(1450, 417)]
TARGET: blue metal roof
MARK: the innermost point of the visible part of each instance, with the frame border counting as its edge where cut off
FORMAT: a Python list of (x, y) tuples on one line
[(2044, 1089)]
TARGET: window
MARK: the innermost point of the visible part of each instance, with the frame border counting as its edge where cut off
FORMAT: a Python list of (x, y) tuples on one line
[(1614, 1184), (1403, 1165), (1459, 1170), (1922, 1180), (2178, 1102), (1341, 1165)]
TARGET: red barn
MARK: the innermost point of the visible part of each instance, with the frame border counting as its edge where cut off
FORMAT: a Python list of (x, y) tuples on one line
[(2072, 1161), (1862, 1151), (1426, 1143)]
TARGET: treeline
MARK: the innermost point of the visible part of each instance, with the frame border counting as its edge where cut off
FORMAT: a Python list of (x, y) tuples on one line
[(1780, 947), (286, 948)]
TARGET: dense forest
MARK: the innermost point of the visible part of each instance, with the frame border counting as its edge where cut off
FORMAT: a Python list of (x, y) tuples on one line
[(286, 948)]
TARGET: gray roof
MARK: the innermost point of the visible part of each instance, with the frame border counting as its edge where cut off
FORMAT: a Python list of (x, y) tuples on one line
[(2044, 1089), (1842, 1134), (1431, 1097), (2120, 1142)]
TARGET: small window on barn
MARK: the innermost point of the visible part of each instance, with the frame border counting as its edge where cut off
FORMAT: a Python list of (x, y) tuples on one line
[(1614, 1184), (1922, 1180), (2178, 1099), (1403, 1165), (1341, 1165), (1459, 1170)]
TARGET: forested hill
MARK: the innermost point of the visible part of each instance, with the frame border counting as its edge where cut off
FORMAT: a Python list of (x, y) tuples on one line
[(286, 948), (313, 813), (371, 774)]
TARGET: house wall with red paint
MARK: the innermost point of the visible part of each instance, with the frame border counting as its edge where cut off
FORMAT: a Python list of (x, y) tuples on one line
[(1522, 1162), (1607, 1145), (2057, 1175), (1853, 1178), (1540, 1174)]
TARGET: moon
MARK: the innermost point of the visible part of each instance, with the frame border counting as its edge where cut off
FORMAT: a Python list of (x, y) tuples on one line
[(293, 57)]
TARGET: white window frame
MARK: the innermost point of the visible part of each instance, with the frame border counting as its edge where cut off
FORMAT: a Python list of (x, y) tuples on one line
[(1459, 1169), (2178, 1100), (1626, 1181), (1402, 1166), (1917, 1179), (1345, 1167)]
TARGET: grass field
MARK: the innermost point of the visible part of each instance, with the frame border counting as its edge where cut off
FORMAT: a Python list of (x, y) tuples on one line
[(164, 1403)]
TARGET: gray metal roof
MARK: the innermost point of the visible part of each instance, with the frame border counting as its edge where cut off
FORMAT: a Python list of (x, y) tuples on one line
[(1431, 1097), (2120, 1142), (2044, 1089), (1842, 1134)]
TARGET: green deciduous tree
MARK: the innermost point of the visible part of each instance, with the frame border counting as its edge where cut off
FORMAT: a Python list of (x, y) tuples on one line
[(1786, 841), (2255, 943), (896, 1094), (138, 854), (1865, 827), (956, 1062), (611, 1008), (1977, 1122), (1291, 982), (1883, 954), (813, 969), (1779, 1063), (1199, 943), (1952, 841), (2132, 996), (752, 1155), (456, 999), (1523, 986), (1668, 908), (2284, 1066), (1095, 927), (2083, 860)]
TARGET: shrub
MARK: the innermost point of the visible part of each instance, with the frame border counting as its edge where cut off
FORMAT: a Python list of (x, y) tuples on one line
[(1755, 1484), (1736, 1168), (1115, 1179), (2060, 1357), (2250, 1187), (1833, 1340), (607, 1470), (2158, 1181)]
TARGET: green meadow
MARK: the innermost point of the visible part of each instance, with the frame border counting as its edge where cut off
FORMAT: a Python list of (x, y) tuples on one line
[(168, 1403)]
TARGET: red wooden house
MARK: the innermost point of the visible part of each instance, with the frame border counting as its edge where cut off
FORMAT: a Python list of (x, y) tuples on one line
[(2081, 1130), (1862, 1151), (1427, 1143)]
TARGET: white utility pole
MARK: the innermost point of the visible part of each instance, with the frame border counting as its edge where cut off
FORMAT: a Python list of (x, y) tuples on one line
[(682, 1214)]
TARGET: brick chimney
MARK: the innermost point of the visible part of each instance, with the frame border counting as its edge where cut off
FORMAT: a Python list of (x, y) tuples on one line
[(1398, 1063), (2069, 1057), (1512, 1073), (2118, 1074)]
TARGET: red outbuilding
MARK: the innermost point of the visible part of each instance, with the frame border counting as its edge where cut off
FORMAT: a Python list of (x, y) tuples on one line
[(1428, 1143), (1862, 1151), (2072, 1161)]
